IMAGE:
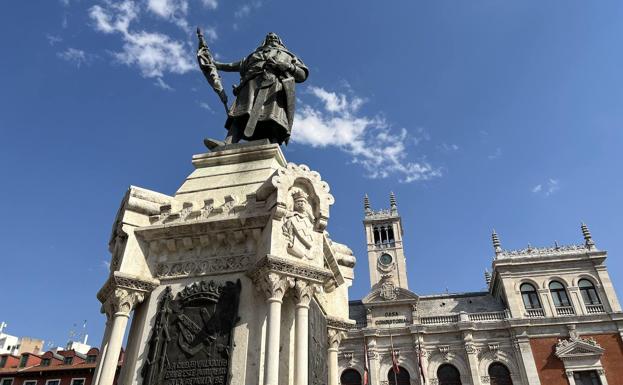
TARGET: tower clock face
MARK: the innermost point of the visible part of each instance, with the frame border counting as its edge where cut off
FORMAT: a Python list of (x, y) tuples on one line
[(385, 259)]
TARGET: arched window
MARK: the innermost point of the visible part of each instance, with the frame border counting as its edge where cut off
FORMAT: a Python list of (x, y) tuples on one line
[(559, 294), (448, 375), (530, 296), (402, 377), (589, 293), (350, 377), (499, 374)]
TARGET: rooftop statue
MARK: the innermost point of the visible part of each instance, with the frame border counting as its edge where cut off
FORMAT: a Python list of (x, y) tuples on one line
[(264, 105)]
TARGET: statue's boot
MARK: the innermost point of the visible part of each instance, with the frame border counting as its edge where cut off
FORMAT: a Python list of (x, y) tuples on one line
[(213, 143)]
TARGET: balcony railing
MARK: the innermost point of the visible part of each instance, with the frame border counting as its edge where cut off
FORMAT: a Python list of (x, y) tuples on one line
[(440, 319), (594, 309), (565, 310), (485, 317), (534, 313)]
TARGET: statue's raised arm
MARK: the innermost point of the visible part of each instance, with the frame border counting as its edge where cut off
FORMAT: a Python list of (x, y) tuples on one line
[(265, 98)]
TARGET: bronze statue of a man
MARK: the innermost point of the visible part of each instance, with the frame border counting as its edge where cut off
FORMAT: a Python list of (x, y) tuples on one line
[(264, 105)]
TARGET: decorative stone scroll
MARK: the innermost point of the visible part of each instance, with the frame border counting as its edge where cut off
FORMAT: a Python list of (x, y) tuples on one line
[(190, 341)]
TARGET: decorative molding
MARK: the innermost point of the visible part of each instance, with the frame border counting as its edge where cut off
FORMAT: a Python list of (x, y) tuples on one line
[(208, 266), (543, 251), (271, 263), (576, 348), (122, 302), (119, 280), (304, 292), (180, 243), (273, 285), (445, 351), (334, 338), (340, 323)]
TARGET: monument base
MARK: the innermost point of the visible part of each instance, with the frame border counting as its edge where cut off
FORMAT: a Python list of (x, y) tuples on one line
[(232, 280)]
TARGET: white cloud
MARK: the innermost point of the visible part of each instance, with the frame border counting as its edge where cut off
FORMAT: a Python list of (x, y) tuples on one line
[(53, 39), (160, 83), (206, 106), (449, 147), (369, 140), (172, 10), (153, 53), (496, 154), (73, 55), (210, 4), (537, 188), (245, 9), (550, 187)]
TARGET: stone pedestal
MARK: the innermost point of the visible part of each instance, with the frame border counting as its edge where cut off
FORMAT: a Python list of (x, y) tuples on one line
[(233, 278)]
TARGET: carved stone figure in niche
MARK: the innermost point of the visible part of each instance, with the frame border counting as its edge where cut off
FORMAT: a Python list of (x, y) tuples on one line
[(299, 226), (191, 337)]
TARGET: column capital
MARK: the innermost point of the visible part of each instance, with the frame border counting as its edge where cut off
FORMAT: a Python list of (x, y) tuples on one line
[(304, 292), (335, 337), (122, 301), (274, 285)]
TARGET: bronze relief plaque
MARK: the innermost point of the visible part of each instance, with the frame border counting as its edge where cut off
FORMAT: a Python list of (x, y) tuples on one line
[(190, 342)]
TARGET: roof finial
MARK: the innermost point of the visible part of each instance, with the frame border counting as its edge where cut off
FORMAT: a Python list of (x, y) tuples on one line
[(487, 277), (497, 247), (366, 204), (588, 239), (392, 203)]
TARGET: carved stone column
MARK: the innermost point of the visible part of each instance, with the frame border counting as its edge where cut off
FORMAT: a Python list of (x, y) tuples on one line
[(303, 294), (274, 286), (472, 358), (103, 348), (373, 359), (118, 307), (335, 338)]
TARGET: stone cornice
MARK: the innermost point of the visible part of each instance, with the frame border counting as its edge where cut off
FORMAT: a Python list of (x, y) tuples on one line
[(340, 323), (129, 282), (271, 263), (532, 254)]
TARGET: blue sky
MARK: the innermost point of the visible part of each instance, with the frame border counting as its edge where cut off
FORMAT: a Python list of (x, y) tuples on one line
[(477, 114)]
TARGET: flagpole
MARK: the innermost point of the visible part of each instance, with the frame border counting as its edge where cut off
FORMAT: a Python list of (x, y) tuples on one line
[(394, 363)]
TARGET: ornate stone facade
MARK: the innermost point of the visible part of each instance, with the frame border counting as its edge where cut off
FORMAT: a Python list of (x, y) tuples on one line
[(487, 337)]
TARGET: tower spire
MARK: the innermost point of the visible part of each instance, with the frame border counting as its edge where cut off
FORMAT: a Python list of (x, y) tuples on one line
[(588, 238), (497, 246), (487, 277), (392, 203), (366, 204)]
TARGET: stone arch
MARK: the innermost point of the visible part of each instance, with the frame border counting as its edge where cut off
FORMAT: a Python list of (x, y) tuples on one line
[(438, 359), (386, 365), (360, 372), (558, 278), (588, 276), (526, 280), (489, 357)]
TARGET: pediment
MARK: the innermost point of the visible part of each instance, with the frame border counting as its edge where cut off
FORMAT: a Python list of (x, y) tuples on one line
[(578, 347), (376, 296)]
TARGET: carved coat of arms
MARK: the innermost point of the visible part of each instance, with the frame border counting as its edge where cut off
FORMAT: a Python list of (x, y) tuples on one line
[(191, 338)]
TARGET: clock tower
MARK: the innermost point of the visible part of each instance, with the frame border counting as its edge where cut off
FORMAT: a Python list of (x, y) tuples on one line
[(386, 258)]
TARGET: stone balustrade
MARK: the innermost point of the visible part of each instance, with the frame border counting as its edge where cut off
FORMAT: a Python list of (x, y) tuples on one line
[(535, 313), (595, 309), (565, 310)]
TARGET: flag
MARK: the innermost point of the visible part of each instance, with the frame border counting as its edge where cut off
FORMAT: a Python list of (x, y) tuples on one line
[(395, 366), (419, 361), (366, 370)]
